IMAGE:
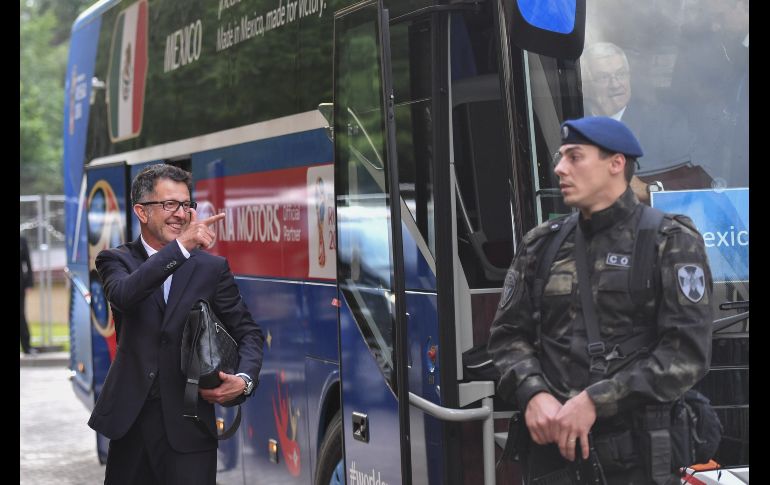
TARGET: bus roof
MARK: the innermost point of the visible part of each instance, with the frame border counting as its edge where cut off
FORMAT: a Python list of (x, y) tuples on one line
[(94, 10)]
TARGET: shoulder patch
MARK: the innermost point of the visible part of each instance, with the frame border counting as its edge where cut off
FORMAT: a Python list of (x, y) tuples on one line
[(692, 281), (508, 286)]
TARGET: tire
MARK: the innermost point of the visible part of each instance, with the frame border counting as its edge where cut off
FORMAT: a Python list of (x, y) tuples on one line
[(330, 467)]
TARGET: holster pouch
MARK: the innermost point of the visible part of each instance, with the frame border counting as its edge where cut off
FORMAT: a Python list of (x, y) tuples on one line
[(518, 442), (544, 465), (616, 451), (558, 477), (681, 438), (652, 426)]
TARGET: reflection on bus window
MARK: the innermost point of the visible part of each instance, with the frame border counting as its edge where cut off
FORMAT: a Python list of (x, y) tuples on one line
[(676, 72), (482, 155), (608, 85)]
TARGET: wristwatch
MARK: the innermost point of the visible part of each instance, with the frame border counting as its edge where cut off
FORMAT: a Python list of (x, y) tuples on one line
[(249, 388)]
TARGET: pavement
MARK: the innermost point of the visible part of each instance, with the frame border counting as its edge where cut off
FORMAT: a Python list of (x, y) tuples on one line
[(56, 446), (44, 359)]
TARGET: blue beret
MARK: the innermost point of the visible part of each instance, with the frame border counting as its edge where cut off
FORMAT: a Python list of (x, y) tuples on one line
[(604, 132)]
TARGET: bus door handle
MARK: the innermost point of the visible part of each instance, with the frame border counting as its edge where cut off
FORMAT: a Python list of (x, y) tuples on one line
[(361, 427)]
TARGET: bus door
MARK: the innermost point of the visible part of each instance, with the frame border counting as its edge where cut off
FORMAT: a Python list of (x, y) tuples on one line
[(375, 407), (106, 209)]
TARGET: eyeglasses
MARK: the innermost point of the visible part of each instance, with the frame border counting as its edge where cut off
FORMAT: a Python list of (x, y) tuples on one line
[(605, 77), (172, 205)]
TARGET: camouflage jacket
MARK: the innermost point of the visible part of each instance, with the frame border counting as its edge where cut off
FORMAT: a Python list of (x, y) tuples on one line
[(535, 352)]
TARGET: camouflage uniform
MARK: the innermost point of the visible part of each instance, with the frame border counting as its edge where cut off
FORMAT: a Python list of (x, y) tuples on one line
[(537, 353)]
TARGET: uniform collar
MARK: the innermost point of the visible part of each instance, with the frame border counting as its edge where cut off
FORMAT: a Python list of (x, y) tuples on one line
[(620, 210)]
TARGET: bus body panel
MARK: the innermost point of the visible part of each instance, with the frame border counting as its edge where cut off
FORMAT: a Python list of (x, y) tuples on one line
[(106, 228), (77, 85), (299, 322), (323, 400), (365, 391), (427, 437), (81, 357)]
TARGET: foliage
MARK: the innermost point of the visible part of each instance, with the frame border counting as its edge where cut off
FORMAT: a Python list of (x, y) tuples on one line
[(44, 27)]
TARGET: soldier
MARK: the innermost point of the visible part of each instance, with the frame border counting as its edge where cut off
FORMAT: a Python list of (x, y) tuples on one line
[(540, 347)]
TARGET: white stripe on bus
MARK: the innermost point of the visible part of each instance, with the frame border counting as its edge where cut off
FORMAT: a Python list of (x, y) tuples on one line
[(287, 125)]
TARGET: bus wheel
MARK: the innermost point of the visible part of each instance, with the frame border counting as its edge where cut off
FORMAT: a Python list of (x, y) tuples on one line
[(330, 469)]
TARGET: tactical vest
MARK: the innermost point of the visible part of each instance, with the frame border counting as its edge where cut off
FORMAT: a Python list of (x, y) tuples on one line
[(642, 277)]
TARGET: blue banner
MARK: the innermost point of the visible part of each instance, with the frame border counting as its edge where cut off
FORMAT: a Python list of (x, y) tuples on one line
[(722, 217)]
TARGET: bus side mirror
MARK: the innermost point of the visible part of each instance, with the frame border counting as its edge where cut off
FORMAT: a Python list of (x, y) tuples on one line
[(554, 28)]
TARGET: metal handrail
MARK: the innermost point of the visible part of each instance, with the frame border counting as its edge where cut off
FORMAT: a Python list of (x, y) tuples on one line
[(78, 284), (485, 412), (449, 414), (725, 322)]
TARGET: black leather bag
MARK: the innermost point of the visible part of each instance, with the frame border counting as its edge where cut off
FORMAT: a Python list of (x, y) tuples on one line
[(695, 430), (205, 339), (207, 348)]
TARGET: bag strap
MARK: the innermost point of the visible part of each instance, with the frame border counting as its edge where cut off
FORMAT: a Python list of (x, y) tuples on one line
[(595, 346), (641, 287), (642, 283), (549, 254), (190, 403)]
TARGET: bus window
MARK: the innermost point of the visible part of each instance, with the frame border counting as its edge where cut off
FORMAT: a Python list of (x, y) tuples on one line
[(411, 70), (552, 96), (677, 74), (362, 206), (482, 157)]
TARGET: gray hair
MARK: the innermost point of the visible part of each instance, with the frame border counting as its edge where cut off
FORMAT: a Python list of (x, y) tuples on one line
[(599, 50), (144, 182)]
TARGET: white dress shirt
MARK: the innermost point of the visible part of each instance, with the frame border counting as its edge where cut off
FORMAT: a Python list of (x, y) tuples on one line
[(150, 251)]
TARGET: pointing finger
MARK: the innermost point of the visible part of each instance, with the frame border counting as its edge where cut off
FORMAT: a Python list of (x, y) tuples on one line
[(213, 219)]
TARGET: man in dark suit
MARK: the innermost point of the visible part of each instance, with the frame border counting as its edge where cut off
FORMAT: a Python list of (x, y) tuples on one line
[(663, 130), (25, 281), (151, 283)]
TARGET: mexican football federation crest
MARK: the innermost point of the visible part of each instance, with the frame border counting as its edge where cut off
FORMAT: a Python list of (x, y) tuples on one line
[(692, 282)]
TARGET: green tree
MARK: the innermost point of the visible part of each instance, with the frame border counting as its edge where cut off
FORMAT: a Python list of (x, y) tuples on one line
[(43, 38)]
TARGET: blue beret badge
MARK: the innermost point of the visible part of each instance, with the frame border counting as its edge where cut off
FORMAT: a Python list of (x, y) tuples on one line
[(692, 282)]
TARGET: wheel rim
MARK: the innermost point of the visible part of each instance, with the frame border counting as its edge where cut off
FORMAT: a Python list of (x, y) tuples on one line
[(338, 476)]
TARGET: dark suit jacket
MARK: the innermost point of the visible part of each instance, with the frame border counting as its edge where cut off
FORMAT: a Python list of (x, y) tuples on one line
[(26, 279), (149, 335), (663, 132)]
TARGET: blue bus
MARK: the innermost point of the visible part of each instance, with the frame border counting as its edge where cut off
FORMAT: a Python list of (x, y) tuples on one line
[(378, 162)]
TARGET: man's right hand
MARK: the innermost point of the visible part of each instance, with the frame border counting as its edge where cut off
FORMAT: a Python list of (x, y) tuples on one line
[(540, 418), (198, 233)]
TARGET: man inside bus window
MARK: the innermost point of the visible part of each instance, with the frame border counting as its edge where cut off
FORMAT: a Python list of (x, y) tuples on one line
[(657, 343), (663, 130), (151, 284)]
